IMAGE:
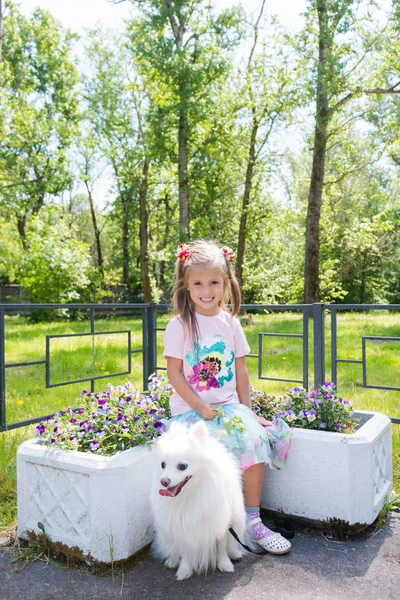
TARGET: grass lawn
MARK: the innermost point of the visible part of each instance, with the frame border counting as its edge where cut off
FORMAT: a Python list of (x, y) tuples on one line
[(78, 357)]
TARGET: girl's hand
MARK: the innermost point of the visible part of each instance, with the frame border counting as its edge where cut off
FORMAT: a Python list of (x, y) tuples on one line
[(264, 422), (206, 412)]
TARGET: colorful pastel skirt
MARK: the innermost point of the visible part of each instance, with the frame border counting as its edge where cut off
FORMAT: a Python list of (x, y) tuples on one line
[(251, 443)]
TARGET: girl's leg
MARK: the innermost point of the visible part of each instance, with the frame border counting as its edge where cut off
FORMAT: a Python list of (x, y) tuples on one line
[(253, 479), (258, 533)]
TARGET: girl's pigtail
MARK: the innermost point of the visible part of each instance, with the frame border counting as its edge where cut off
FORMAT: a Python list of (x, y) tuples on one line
[(182, 303), (234, 289)]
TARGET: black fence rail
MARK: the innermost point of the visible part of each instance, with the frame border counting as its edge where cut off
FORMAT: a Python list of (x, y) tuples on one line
[(149, 313)]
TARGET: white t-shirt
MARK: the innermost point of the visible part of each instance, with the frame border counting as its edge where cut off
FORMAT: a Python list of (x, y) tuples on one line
[(210, 367)]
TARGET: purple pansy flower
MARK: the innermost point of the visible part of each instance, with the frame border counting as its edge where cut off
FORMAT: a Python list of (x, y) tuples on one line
[(40, 429), (94, 445), (159, 426), (311, 415), (290, 415)]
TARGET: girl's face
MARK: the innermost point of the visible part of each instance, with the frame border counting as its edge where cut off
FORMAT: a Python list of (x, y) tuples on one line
[(206, 288)]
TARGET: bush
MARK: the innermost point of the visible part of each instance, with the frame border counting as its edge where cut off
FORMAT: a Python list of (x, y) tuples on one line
[(55, 265)]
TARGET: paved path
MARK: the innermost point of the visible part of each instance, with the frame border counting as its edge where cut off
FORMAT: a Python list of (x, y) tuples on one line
[(315, 569)]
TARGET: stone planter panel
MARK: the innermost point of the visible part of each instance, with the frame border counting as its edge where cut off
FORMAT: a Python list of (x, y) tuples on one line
[(100, 504), (334, 475)]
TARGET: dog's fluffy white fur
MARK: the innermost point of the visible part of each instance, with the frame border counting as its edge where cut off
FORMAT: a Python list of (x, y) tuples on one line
[(192, 518)]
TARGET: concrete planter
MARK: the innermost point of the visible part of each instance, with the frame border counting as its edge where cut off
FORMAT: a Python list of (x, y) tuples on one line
[(101, 504), (98, 504), (334, 476)]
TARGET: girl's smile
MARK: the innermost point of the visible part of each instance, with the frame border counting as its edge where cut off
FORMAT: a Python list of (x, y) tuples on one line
[(206, 289)]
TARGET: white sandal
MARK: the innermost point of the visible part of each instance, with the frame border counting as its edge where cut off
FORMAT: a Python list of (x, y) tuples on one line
[(275, 544)]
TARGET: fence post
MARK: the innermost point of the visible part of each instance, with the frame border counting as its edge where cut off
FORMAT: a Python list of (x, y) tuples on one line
[(319, 344), (151, 340), (144, 346), (2, 373)]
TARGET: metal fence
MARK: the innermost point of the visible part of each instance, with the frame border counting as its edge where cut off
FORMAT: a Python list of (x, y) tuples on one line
[(149, 313)]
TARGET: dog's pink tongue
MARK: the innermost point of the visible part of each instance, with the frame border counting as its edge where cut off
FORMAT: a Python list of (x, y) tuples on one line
[(168, 491)]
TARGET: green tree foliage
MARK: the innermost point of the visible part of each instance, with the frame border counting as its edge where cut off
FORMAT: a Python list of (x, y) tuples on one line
[(271, 90), (356, 59), (10, 251), (182, 53), (114, 97), (55, 267), (38, 108), (197, 142)]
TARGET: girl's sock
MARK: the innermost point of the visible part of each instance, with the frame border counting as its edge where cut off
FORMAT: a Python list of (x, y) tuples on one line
[(257, 531)]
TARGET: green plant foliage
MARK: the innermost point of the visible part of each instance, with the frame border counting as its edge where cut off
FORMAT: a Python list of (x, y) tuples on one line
[(55, 265), (38, 549), (203, 105), (111, 421), (39, 111), (321, 409)]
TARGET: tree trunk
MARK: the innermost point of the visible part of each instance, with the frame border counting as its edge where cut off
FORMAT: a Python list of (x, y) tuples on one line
[(183, 136), (21, 219), (312, 252), (1, 30), (99, 253), (21, 223), (168, 215), (144, 242), (363, 278), (245, 204), (125, 202), (39, 203), (178, 30)]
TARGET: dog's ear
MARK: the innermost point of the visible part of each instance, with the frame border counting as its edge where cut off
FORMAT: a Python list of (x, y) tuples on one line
[(199, 431)]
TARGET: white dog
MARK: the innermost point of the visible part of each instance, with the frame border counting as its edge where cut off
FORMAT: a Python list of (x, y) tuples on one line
[(196, 496)]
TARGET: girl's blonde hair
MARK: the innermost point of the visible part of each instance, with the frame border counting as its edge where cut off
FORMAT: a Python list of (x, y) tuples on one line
[(206, 254)]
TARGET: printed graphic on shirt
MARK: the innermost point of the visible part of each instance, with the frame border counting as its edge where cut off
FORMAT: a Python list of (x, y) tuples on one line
[(211, 363)]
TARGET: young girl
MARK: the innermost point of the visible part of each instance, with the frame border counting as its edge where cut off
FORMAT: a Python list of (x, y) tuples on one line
[(205, 348)]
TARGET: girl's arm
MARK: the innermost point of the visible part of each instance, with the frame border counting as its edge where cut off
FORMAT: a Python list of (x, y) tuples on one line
[(181, 386), (243, 387), (242, 381)]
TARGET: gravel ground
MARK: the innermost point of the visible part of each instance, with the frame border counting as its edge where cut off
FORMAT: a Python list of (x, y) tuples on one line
[(316, 568)]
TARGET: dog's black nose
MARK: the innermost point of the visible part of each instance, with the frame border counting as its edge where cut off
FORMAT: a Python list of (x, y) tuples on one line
[(165, 481)]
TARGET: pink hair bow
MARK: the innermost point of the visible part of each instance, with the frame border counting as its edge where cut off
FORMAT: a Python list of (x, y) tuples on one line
[(184, 252), (228, 253)]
